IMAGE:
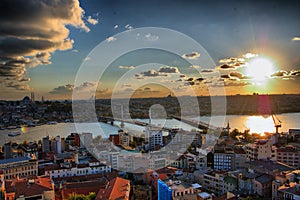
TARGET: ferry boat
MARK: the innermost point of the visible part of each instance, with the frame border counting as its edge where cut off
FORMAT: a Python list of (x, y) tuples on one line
[(13, 134)]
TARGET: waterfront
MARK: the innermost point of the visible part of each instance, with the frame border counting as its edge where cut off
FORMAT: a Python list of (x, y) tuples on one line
[(241, 122)]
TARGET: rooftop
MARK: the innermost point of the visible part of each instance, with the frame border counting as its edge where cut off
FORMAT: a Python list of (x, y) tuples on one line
[(14, 160)]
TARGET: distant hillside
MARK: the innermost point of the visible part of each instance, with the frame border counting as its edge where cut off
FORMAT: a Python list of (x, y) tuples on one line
[(238, 104)]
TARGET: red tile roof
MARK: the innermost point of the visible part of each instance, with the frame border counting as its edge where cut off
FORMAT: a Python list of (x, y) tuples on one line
[(24, 187), (117, 189)]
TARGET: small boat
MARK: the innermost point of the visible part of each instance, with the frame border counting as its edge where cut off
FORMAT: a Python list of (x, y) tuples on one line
[(52, 122), (11, 127), (13, 134)]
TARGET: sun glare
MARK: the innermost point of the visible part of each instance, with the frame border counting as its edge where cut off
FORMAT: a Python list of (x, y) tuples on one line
[(260, 124), (259, 69)]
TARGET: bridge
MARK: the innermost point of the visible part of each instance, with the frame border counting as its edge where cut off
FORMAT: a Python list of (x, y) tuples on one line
[(194, 123)]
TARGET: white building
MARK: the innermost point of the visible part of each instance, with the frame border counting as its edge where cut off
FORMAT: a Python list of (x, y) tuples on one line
[(261, 149), (154, 137)]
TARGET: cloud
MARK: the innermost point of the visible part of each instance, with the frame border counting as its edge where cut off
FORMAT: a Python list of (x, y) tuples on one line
[(92, 21), (87, 58), (151, 37), (75, 50), (116, 26), (226, 67), (195, 66), (128, 27), (207, 71), (111, 39), (31, 31), (296, 39), (69, 88), (237, 75), (280, 73), (151, 73), (126, 67), (193, 55), (139, 76), (85, 85), (168, 69), (250, 55), (63, 89), (294, 73)]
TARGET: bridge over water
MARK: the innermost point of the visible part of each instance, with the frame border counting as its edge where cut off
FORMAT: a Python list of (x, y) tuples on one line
[(194, 123)]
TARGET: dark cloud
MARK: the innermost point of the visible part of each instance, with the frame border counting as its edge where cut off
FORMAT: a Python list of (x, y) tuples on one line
[(151, 73), (294, 73), (237, 75), (200, 79), (280, 74), (207, 71), (225, 76), (31, 31), (226, 66), (168, 69), (192, 55)]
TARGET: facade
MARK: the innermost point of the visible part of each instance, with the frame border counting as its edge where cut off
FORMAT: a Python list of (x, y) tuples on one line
[(154, 138), (86, 139), (124, 138), (69, 170), (214, 182), (261, 149), (46, 144), (164, 192), (224, 159), (19, 167), (289, 155), (263, 185)]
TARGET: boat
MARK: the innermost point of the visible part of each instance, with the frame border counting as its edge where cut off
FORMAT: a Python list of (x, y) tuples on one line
[(52, 122), (13, 134)]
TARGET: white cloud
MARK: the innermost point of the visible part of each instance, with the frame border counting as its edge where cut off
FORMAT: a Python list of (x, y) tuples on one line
[(111, 39), (128, 27), (126, 67), (92, 21), (296, 39)]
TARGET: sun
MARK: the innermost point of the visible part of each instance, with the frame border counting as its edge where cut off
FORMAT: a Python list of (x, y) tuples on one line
[(259, 69)]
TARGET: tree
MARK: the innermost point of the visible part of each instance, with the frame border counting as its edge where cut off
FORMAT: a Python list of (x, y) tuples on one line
[(91, 196)]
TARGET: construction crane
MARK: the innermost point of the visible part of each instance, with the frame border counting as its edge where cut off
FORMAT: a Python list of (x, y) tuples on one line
[(277, 122)]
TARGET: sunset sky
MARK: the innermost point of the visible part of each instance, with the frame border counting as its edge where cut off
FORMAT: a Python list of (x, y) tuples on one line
[(254, 47)]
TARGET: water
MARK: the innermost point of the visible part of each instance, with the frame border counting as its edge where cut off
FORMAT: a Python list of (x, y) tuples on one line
[(241, 122)]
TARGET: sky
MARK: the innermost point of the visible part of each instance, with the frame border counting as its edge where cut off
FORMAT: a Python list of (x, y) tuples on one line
[(237, 47)]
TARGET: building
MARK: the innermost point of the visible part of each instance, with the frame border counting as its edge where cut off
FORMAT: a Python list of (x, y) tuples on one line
[(73, 140), (154, 137), (19, 167), (164, 192), (224, 159), (289, 155), (289, 191), (141, 192), (261, 149), (46, 144), (86, 139), (263, 185), (178, 189), (30, 188), (124, 138), (213, 181), (115, 139), (7, 149), (117, 189), (68, 169)]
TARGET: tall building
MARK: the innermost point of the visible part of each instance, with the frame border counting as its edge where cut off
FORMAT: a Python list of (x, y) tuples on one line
[(86, 139), (154, 137), (224, 159), (7, 149), (124, 138), (46, 144), (164, 192), (289, 155)]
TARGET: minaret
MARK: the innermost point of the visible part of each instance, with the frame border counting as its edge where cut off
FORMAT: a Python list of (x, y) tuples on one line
[(32, 96), (227, 129)]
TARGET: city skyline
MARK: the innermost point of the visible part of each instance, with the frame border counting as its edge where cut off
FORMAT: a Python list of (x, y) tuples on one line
[(253, 47)]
